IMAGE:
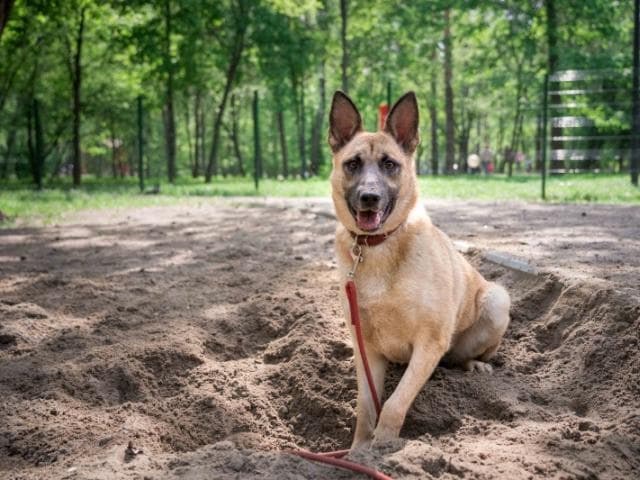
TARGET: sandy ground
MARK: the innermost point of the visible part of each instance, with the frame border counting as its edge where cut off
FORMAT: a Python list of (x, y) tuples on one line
[(209, 337)]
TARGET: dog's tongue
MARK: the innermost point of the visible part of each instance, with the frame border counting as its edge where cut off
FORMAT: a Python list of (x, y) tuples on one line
[(368, 220)]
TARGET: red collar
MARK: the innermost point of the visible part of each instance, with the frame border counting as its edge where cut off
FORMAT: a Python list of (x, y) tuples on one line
[(372, 240)]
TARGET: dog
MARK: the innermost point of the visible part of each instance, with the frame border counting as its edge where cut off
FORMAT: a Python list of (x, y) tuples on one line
[(419, 298)]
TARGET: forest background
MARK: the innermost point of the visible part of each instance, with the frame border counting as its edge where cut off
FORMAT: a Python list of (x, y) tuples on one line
[(200, 92)]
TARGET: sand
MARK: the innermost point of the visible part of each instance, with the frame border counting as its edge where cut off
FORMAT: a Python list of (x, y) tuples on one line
[(201, 340)]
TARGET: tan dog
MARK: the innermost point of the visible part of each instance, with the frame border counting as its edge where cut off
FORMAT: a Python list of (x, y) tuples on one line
[(419, 298)]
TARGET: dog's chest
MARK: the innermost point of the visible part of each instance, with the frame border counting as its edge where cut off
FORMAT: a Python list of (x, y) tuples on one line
[(390, 323)]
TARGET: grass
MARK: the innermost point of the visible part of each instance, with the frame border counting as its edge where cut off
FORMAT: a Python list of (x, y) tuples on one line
[(18, 200), (572, 188)]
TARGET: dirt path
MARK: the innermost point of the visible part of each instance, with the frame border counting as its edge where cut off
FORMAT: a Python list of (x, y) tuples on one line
[(210, 336)]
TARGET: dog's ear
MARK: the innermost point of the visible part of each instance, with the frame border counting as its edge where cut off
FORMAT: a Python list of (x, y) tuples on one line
[(402, 122), (344, 121)]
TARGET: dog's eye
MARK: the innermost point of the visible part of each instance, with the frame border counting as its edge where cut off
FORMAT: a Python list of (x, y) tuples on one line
[(352, 165), (389, 165)]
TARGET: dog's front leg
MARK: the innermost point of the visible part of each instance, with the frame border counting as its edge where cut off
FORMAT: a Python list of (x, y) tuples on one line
[(366, 409), (423, 362)]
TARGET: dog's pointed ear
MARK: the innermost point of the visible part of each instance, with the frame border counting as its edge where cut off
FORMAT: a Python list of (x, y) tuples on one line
[(344, 121), (402, 122)]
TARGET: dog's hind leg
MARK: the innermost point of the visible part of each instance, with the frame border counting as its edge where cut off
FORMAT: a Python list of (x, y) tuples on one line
[(475, 346), (366, 409)]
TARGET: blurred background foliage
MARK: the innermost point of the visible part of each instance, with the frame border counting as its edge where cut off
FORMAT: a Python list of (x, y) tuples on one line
[(71, 72)]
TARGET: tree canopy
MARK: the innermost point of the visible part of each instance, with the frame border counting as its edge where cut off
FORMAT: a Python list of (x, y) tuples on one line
[(71, 73)]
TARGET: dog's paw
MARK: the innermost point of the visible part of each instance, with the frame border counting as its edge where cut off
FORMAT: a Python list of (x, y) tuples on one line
[(384, 434), (361, 445), (478, 366), (389, 445)]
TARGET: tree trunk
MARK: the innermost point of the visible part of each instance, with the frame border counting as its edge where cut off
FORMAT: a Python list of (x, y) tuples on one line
[(478, 134), (283, 144), (39, 146), (203, 138), (30, 146), (552, 36), (274, 144), (257, 151), (199, 146), (634, 163), (140, 143), (448, 92), (148, 135), (169, 118), (5, 11), (500, 145), (76, 82), (236, 55), (195, 170), (538, 162), (8, 152), (298, 115), (433, 114), (344, 14), (187, 125), (516, 124), (464, 127), (316, 129), (464, 136), (302, 143), (235, 137), (552, 63)]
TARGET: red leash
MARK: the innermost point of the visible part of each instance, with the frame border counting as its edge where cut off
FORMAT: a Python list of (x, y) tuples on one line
[(352, 296), (335, 458), (331, 458)]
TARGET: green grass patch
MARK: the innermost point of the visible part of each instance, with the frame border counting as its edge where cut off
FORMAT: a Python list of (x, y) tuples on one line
[(18, 200), (574, 188)]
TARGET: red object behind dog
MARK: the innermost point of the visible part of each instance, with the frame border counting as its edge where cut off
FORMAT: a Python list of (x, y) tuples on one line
[(383, 111)]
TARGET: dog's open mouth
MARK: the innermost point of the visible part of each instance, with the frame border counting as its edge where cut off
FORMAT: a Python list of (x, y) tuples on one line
[(371, 220), (368, 220)]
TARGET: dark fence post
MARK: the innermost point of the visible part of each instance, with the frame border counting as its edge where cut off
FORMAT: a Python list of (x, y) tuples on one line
[(543, 140), (538, 163), (257, 159), (140, 146), (39, 161), (635, 129)]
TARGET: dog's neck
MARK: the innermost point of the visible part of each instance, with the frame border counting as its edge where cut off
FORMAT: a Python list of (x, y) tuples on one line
[(372, 240)]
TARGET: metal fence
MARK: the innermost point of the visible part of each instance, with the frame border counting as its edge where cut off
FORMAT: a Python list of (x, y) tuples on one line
[(589, 115)]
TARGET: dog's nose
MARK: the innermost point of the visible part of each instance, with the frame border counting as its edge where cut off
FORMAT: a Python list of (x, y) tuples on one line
[(369, 200)]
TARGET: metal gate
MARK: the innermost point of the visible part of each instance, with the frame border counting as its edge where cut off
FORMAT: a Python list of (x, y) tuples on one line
[(589, 115)]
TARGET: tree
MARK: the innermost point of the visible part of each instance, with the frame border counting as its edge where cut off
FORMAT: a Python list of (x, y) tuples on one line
[(195, 63), (433, 114), (344, 15), (448, 92), (232, 43), (74, 63), (168, 113), (5, 11), (318, 122)]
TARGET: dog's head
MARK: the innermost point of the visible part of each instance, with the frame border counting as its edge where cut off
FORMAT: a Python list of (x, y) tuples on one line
[(373, 180)]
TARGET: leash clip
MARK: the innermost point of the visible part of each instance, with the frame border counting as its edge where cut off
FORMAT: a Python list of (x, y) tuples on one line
[(356, 255)]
